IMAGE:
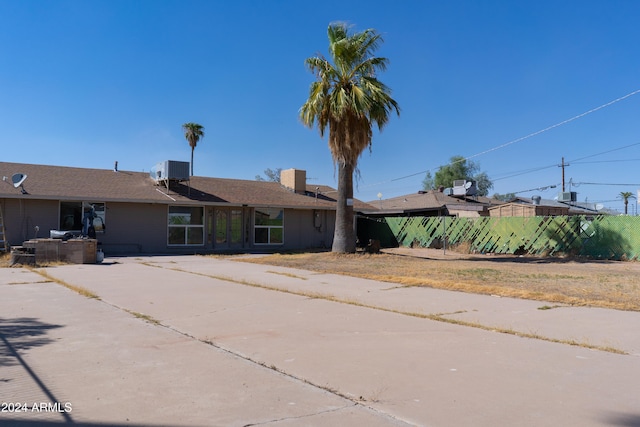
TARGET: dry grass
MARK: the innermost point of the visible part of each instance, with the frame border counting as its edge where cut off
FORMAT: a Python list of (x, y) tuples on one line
[(78, 289), (439, 317), (5, 258), (5, 261), (142, 316), (599, 284), (295, 276)]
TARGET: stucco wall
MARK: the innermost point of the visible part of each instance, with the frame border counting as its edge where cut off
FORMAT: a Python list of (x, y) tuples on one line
[(142, 227), (21, 216), (303, 230), (135, 227)]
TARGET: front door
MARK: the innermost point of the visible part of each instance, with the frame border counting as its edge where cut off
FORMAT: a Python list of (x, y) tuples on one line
[(228, 230)]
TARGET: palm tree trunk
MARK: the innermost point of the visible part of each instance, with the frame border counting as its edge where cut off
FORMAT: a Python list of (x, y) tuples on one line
[(344, 236), (626, 203), (192, 160)]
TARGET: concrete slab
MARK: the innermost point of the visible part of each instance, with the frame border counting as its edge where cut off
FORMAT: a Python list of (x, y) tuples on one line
[(107, 366), (593, 326), (340, 364)]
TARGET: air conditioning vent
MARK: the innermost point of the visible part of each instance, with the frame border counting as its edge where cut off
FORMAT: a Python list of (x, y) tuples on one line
[(170, 170), (567, 196)]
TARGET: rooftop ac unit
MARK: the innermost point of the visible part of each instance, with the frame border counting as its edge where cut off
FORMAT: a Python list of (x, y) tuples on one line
[(170, 170), (564, 196)]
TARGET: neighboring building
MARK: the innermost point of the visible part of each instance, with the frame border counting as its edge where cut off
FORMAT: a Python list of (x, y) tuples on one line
[(138, 212), (536, 206), (433, 203), (526, 209)]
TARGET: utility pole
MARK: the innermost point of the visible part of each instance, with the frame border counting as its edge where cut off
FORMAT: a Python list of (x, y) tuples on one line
[(562, 165)]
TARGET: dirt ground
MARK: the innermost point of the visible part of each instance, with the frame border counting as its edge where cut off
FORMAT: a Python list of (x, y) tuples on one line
[(610, 284)]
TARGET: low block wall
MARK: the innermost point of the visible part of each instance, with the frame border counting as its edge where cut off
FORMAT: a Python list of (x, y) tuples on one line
[(74, 251)]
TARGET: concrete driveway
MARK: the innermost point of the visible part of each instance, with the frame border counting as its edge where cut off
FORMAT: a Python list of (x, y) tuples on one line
[(206, 341)]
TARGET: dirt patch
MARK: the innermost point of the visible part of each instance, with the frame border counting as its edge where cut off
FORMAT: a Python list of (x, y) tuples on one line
[(609, 284)]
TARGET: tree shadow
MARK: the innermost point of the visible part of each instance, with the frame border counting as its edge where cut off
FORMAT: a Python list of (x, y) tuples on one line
[(21, 334), (623, 420), (194, 193), (43, 423), (589, 238)]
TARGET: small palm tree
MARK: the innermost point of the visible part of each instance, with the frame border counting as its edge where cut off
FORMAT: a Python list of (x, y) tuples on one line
[(626, 195), (348, 98), (193, 132)]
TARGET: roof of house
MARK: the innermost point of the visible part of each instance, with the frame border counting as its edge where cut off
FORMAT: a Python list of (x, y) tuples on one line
[(432, 200), (70, 183), (575, 208), (559, 209)]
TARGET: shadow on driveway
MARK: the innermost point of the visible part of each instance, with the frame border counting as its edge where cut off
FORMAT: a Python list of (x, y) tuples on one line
[(21, 334)]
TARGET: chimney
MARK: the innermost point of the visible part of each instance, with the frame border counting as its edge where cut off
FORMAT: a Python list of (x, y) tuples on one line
[(115, 166), (294, 179)]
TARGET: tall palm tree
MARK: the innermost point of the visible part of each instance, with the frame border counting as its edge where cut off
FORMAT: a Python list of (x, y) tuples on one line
[(626, 195), (193, 132), (348, 98)]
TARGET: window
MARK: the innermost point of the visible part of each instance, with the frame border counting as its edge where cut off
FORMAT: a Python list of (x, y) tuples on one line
[(221, 226), (236, 226), (269, 226), (186, 225), (74, 216)]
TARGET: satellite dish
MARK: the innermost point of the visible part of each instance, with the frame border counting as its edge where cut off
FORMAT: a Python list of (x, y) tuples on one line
[(468, 185), (599, 206), (18, 179)]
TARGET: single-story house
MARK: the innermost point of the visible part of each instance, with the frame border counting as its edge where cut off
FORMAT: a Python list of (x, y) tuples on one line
[(166, 211), (432, 203)]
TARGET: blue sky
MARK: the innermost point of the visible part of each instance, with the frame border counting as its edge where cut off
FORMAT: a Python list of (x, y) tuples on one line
[(86, 83)]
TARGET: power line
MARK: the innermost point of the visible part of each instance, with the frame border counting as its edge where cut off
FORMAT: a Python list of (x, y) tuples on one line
[(607, 161), (578, 184), (524, 172), (577, 161), (573, 184), (544, 188), (593, 110), (606, 152), (564, 122)]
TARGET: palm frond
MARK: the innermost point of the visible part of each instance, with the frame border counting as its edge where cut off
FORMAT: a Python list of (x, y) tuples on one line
[(347, 97), (193, 132)]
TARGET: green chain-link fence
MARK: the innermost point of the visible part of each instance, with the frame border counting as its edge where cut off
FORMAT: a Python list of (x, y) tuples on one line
[(606, 237)]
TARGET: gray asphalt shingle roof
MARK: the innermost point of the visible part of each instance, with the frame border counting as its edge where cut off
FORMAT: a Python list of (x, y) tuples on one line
[(71, 183), (430, 200)]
